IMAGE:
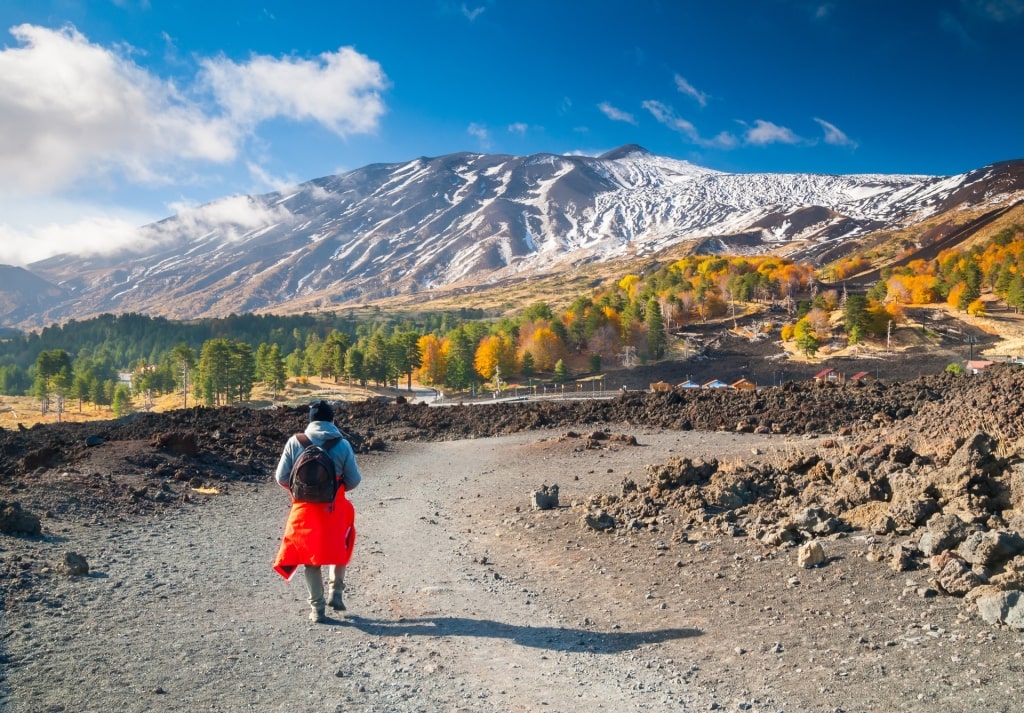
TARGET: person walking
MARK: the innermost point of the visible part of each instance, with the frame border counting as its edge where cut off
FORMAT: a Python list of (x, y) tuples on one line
[(319, 533)]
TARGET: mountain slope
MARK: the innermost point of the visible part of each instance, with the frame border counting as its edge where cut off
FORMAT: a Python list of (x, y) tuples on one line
[(473, 219), (24, 294)]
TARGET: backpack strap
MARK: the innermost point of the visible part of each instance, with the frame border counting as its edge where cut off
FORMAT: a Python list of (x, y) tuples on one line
[(303, 440)]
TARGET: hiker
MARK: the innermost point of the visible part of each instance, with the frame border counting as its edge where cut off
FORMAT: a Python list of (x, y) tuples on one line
[(319, 533)]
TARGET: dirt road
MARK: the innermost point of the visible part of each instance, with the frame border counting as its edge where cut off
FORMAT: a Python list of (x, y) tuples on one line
[(463, 599)]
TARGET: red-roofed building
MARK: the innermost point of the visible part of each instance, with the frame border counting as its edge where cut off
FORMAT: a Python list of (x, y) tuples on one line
[(826, 375), (978, 365)]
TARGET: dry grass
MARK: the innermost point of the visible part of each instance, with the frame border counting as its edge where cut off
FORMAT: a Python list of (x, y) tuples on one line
[(25, 410)]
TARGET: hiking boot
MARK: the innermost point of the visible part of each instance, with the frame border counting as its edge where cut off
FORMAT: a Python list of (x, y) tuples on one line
[(316, 614), (336, 602)]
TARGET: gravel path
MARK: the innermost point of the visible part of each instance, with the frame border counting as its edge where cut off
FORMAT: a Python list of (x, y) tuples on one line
[(462, 599)]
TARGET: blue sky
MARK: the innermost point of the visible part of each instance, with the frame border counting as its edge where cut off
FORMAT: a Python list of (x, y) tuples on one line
[(115, 113)]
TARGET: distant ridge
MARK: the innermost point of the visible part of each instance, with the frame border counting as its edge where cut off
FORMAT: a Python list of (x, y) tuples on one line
[(468, 221)]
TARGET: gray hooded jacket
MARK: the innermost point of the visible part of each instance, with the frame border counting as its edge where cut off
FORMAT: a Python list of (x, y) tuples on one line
[(319, 432)]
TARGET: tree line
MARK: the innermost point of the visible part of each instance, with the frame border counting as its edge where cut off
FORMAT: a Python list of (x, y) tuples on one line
[(220, 361)]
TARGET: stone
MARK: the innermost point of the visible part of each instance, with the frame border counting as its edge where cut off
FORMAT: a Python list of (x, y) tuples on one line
[(901, 558), (990, 549), (945, 532), (811, 554), (15, 520), (545, 497), (957, 578), (599, 520), (1005, 608), (74, 564)]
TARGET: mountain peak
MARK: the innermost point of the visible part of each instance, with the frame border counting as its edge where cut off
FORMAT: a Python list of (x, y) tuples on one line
[(624, 151)]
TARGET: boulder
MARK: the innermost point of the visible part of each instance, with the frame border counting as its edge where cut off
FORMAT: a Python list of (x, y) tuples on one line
[(1003, 609), (945, 532), (599, 520), (810, 555), (545, 497), (957, 578), (990, 549), (74, 565), (15, 520), (901, 558)]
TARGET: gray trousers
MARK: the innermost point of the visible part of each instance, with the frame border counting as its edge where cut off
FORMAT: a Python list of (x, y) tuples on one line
[(315, 583)]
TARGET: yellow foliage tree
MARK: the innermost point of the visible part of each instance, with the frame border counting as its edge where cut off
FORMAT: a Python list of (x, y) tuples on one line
[(895, 312), (543, 344), (922, 289), (434, 360), (976, 308), (495, 352), (953, 299), (628, 283)]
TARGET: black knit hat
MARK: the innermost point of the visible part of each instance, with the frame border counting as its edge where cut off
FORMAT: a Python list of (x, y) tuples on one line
[(321, 411)]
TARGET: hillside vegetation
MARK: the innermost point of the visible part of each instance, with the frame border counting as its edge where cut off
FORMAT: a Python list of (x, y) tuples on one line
[(626, 319)]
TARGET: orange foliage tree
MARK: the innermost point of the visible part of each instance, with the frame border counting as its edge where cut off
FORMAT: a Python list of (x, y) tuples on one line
[(543, 343), (495, 352), (434, 359)]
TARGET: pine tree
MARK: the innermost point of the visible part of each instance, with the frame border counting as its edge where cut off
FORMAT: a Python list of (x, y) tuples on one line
[(561, 373), (656, 339)]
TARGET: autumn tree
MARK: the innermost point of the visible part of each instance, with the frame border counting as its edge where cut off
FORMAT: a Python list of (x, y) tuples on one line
[(433, 359), (540, 340), (495, 352)]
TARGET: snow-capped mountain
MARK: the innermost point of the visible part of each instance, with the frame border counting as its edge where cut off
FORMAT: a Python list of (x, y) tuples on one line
[(471, 218)]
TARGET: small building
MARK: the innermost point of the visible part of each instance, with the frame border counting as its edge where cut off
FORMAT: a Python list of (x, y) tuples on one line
[(827, 375), (978, 365), (688, 384), (716, 384), (661, 386), (862, 377), (744, 384)]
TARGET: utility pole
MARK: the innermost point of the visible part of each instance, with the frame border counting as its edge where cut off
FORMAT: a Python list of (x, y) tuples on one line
[(971, 341)]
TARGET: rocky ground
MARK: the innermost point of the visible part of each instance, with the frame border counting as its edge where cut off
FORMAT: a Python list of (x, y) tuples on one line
[(807, 547)]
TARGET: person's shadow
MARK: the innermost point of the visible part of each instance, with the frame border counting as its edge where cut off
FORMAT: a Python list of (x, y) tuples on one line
[(540, 637)]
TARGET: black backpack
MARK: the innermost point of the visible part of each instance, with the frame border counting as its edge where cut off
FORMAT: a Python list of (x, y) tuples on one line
[(313, 478)]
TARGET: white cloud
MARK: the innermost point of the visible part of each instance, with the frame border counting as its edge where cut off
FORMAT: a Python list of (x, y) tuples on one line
[(105, 230), (340, 90), (616, 114), (73, 110), (481, 133), (472, 13), (242, 212), (996, 10), (66, 226), (70, 109), (834, 136), (765, 132), (518, 128), (823, 11), (264, 180), (689, 90), (666, 115)]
